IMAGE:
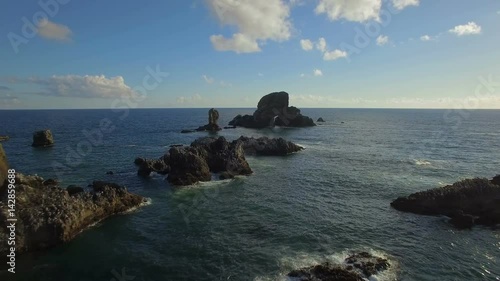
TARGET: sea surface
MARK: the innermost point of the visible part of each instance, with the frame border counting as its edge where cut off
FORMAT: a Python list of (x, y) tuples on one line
[(316, 205)]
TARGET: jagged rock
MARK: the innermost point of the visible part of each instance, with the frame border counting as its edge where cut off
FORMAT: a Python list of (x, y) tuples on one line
[(320, 120), (176, 145), (147, 166), (213, 117), (268, 147), (73, 189), (50, 182), (50, 216), (357, 267), (43, 139), (273, 109), (188, 167), (471, 201)]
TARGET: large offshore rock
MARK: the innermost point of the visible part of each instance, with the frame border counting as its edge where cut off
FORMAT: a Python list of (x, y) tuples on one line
[(43, 138)]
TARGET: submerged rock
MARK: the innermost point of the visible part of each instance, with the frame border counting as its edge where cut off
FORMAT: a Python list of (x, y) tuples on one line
[(43, 138), (320, 120), (49, 215), (467, 203), (357, 267), (273, 109), (4, 138)]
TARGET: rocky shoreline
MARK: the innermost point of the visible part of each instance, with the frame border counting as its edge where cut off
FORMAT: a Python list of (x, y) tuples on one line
[(49, 215), (469, 202)]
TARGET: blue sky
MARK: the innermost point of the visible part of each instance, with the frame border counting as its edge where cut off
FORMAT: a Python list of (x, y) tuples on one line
[(229, 53)]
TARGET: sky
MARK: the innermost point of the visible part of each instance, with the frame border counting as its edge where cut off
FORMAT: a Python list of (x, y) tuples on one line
[(58, 54)]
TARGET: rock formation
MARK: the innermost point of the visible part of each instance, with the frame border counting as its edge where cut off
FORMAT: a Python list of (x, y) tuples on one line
[(43, 139), (50, 215), (191, 164), (357, 267), (468, 202), (320, 120), (212, 126), (268, 147), (273, 109)]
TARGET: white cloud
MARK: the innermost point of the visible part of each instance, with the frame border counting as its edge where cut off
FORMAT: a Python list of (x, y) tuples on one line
[(359, 10), (401, 4), (321, 45), (425, 38), (306, 44), (334, 55), (256, 20), (382, 40), (318, 72), (192, 100), (54, 31), (302, 75), (84, 86), (470, 28), (207, 79)]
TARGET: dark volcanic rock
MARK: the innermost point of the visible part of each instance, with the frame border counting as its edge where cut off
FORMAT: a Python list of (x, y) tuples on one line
[(188, 166), (273, 109), (213, 118), (147, 166), (50, 216), (357, 267), (320, 120), (471, 201), (43, 139), (73, 189), (268, 147)]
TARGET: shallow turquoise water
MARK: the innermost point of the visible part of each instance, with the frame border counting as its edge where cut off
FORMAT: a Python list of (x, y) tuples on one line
[(294, 211)]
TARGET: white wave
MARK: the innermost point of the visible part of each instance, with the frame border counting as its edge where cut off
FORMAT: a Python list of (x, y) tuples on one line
[(302, 260), (148, 202), (421, 162)]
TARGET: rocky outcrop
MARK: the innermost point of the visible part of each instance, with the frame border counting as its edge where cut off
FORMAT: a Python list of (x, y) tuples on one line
[(147, 166), (43, 139), (268, 147), (49, 215), (357, 267), (187, 165), (4, 138), (273, 110), (320, 120), (212, 126), (468, 202)]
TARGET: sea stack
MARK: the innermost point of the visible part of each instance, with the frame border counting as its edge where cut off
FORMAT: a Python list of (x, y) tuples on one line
[(43, 138), (213, 118), (273, 110)]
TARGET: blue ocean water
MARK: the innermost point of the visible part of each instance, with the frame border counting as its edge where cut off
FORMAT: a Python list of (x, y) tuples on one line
[(294, 211)]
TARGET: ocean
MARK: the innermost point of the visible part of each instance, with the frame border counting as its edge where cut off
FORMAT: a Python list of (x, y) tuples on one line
[(316, 205)]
